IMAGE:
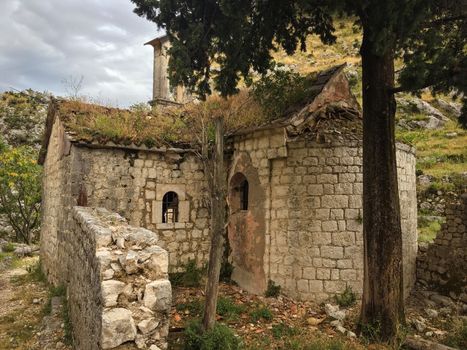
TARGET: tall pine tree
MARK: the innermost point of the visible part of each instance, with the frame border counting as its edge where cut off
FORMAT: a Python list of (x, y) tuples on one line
[(239, 36)]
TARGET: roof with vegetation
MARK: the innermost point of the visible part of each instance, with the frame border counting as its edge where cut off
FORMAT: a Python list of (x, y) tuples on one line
[(281, 99)]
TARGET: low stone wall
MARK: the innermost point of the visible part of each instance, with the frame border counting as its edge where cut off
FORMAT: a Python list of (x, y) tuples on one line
[(443, 264), (117, 285)]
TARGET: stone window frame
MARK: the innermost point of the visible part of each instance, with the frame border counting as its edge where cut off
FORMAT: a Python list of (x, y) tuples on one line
[(183, 205), (239, 193), (170, 207)]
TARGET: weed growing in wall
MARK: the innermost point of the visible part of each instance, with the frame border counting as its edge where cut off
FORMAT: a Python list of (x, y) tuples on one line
[(273, 290), (347, 298)]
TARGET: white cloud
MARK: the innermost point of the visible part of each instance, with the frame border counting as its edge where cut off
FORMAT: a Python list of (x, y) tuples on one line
[(44, 42)]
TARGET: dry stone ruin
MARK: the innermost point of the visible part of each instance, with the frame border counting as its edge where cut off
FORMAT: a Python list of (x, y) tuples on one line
[(295, 211), (442, 265), (116, 276)]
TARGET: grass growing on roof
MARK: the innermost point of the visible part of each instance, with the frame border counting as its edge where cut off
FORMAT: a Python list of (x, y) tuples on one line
[(269, 98)]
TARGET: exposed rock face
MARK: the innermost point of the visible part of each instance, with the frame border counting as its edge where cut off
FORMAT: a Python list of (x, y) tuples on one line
[(108, 295), (22, 117), (427, 116)]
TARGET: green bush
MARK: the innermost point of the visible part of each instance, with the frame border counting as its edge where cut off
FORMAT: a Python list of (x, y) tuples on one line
[(261, 313), (20, 190), (227, 308), (35, 272), (282, 330), (220, 337), (347, 298), (273, 290), (226, 272), (457, 336), (194, 307), (191, 277), (9, 247), (280, 90)]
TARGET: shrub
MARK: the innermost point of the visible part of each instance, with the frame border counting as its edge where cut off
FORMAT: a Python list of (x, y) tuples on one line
[(227, 308), (347, 298), (457, 336), (191, 277), (194, 307), (282, 330), (20, 190), (261, 313), (273, 290), (220, 337), (281, 89), (35, 272), (226, 272), (9, 247)]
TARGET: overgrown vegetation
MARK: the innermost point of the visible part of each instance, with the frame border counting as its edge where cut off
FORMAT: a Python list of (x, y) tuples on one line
[(272, 290), (282, 330), (428, 229), (226, 307), (261, 313), (190, 277), (346, 298), (220, 337), (283, 89), (457, 336), (225, 274), (20, 190)]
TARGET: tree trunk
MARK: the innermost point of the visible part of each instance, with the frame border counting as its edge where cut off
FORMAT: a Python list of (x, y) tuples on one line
[(382, 304), (218, 227)]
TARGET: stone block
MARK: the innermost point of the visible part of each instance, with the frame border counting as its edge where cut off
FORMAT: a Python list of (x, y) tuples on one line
[(335, 201), (329, 225), (316, 286), (334, 286), (110, 291), (326, 178), (332, 252), (323, 274), (158, 295), (118, 327), (343, 238)]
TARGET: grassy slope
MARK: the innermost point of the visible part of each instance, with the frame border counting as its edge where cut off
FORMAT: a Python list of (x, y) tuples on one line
[(438, 154)]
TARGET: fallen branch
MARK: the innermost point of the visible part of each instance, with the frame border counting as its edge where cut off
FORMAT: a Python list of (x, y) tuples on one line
[(423, 344)]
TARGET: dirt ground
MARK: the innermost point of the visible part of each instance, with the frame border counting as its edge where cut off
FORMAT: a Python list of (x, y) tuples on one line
[(295, 325), (32, 318), (29, 318)]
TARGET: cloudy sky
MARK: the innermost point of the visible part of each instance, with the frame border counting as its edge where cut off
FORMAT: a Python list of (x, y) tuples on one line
[(44, 43)]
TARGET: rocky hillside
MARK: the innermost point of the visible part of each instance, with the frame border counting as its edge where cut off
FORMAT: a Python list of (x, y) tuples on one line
[(427, 122), (22, 117)]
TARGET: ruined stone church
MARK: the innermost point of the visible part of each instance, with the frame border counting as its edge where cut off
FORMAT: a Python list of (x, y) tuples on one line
[(295, 192)]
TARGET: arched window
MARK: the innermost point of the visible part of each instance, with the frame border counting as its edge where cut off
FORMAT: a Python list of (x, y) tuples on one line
[(170, 207), (239, 189), (243, 188)]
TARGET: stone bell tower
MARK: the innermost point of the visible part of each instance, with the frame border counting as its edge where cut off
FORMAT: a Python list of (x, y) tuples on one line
[(162, 92)]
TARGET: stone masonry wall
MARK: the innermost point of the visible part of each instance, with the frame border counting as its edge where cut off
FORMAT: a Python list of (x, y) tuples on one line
[(317, 242), (118, 291), (55, 187), (133, 184), (443, 263), (313, 202)]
